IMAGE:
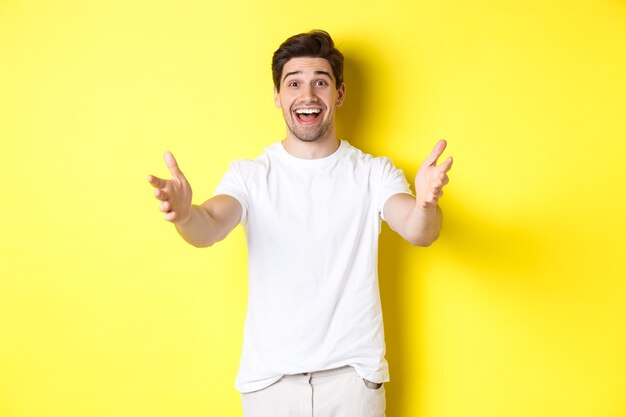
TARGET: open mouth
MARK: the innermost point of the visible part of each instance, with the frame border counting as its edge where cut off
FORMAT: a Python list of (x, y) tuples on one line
[(307, 116)]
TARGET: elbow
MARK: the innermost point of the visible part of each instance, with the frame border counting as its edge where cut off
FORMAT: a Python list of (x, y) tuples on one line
[(423, 241), (202, 243), (208, 242)]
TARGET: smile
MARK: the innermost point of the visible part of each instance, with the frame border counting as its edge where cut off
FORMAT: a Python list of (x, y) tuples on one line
[(307, 116)]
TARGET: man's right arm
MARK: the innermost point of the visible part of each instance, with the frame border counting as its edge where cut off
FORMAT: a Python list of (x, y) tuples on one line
[(211, 221), (201, 225)]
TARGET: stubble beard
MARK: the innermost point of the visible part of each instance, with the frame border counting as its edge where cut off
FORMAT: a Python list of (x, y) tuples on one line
[(308, 136), (312, 136)]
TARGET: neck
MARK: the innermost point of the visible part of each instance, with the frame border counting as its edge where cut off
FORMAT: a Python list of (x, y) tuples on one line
[(320, 148)]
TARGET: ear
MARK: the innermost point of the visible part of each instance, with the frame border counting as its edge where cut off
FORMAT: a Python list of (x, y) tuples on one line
[(341, 94), (276, 98)]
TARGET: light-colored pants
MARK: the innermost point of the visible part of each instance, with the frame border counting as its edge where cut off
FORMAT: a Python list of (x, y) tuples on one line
[(334, 393)]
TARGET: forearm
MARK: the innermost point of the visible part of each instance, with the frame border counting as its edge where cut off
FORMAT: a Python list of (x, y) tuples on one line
[(199, 228), (422, 225)]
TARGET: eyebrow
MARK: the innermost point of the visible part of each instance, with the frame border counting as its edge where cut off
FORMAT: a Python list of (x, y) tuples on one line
[(300, 72)]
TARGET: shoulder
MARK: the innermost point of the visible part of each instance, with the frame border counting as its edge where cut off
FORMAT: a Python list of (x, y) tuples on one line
[(373, 163), (252, 167)]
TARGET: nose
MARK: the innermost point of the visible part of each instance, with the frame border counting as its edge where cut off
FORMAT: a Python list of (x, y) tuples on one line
[(308, 94)]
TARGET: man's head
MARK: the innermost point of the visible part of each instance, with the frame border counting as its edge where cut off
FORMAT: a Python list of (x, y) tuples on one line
[(313, 44), (308, 85)]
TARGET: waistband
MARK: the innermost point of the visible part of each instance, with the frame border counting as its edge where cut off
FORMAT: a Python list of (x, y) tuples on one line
[(328, 372)]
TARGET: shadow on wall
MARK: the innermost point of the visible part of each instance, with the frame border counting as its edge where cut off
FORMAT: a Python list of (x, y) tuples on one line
[(358, 110), (354, 122), (392, 287), (470, 238)]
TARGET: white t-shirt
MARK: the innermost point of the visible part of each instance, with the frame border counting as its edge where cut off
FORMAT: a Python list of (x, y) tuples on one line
[(312, 229)]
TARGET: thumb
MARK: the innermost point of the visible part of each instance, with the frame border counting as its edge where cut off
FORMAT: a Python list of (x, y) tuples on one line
[(435, 153), (170, 161)]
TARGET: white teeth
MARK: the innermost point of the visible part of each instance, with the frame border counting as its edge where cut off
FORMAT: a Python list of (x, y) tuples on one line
[(307, 111)]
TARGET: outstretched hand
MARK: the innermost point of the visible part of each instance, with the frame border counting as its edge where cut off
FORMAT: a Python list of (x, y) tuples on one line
[(174, 194), (431, 178)]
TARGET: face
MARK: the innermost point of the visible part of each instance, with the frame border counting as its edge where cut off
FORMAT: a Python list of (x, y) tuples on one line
[(308, 98)]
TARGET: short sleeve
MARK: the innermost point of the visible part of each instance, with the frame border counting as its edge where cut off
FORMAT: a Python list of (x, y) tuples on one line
[(389, 181), (233, 184)]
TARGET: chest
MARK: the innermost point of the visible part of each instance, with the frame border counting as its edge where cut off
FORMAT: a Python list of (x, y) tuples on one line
[(312, 202)]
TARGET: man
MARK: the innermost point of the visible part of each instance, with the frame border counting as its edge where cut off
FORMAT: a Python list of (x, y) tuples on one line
[(311, 207)]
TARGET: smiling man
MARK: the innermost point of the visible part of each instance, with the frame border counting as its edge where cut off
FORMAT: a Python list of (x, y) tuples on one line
[(308, 94), (311, 206)]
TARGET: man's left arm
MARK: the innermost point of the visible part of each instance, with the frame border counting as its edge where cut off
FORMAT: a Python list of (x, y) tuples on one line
[(418, 219)]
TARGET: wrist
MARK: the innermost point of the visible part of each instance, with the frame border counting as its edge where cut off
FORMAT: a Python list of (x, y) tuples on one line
[(425, 206), (186, 219)]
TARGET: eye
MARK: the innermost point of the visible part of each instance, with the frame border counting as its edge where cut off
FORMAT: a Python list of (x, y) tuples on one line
[(292, 84), (321, 83)]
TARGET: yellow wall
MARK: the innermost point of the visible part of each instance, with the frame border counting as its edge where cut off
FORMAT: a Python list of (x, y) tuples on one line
[(518, 310)]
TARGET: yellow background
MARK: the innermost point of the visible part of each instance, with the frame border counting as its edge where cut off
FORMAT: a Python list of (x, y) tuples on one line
[(518, 310)]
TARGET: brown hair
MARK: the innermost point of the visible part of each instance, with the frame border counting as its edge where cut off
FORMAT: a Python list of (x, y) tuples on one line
[(314, 44)]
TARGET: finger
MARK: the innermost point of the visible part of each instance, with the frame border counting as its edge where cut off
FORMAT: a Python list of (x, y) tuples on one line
[(445, 165), (156, 182), (435, 153), (170, 161), (165, 206), (430, 203), (160, 194), (170, 216)]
